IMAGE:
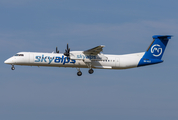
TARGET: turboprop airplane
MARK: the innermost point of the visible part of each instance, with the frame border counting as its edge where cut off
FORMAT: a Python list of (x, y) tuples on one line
[(93, 58)]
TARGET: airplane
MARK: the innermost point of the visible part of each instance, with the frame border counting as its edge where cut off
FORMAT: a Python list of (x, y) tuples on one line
[(93, 58)]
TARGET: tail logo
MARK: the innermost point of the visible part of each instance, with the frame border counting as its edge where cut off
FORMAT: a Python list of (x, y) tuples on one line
[(156, 50)]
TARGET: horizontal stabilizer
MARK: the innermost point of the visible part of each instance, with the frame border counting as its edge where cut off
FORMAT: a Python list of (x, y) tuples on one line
[(164, 37)]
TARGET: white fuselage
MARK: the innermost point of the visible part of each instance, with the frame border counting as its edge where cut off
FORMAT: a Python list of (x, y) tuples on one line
[(93, 58), (81, 61)]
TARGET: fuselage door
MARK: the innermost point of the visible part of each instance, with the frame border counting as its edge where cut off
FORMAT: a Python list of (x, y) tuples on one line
[(117, 62), (31, 58)]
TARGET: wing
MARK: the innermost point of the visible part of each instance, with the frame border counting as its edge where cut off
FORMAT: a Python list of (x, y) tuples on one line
[(95, 50)]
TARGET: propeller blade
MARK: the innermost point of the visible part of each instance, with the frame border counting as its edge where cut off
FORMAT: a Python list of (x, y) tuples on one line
[(67, 46), (67, 51), (57, 51)]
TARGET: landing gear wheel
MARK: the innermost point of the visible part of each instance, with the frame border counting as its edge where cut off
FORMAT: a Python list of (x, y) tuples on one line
[(79, 73), (12, 68), (90, 71)]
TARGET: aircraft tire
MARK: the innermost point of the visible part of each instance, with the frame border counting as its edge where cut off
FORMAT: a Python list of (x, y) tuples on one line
[(12, 68), (79, 73), (90, 71)]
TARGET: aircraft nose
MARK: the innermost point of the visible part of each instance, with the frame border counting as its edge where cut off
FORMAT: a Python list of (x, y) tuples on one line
[(8, 61)]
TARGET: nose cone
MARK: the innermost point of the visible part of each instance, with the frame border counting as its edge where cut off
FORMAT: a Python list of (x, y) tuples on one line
[(8, 61)]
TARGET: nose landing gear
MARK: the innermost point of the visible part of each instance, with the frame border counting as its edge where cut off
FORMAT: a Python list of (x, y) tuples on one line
[(12, 68)]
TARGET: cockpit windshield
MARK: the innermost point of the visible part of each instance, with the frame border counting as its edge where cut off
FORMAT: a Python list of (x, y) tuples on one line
[(19, 55)]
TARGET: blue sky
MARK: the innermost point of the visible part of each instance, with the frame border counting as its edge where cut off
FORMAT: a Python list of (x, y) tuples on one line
[(124, 26)]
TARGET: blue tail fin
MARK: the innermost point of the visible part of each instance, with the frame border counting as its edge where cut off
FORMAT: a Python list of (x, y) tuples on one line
[(155, 51)]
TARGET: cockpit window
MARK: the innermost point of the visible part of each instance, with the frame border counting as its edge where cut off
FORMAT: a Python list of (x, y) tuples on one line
[(19, 55)]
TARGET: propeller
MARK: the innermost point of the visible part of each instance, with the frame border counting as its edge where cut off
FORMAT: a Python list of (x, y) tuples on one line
[(67, 51), (57, 51)]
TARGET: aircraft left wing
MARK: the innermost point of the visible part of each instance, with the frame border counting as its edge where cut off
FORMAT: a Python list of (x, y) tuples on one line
[(89, 55), (94, 51)]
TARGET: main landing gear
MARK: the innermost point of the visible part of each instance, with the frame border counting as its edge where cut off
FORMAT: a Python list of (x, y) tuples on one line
[(90, 71), (12, 68), (79, 73)]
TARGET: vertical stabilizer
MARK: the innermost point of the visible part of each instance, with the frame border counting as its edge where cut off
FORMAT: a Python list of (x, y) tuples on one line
[(155, 51)]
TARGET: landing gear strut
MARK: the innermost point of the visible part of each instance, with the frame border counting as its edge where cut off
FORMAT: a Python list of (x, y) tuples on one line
[(90, 71), (79, 73), (12, 68)]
